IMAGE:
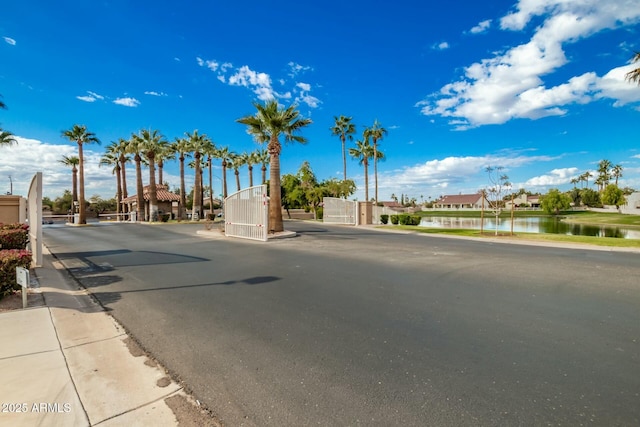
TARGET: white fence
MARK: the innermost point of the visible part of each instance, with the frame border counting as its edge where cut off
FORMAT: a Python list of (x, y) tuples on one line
[(246, 214), (339, 211)]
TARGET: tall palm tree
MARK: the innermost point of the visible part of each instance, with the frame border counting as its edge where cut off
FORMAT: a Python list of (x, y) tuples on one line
[(134, 147), (198, 146), (633, 76), (616, 172), (262, 157), (165, 153), (585, 177), (222, 153), (112, 158), (249, 159), (604, 173), (267, 125), (72, 161), (210, 151), (151, 143), (363, 151), (237, 161), (80, 135), (121, 147), (376, 133), (345, 130), (182, 148)]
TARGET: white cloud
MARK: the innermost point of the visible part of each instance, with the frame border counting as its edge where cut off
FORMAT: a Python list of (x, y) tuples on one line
[(127, 102), (481, 27), (260, 83), (555, 177), (153, 93), (510, 84), (441, 46), (304, 86), (28, 156), (10, 41), (92, 97), (295, 69)]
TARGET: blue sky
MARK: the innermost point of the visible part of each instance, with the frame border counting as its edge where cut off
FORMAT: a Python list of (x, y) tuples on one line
[(535, 86)]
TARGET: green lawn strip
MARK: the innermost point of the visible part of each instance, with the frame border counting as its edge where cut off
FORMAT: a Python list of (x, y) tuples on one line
[(597, 218), (590, 240)]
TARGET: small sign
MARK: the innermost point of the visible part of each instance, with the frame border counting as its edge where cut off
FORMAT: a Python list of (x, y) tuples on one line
[(22, 277)]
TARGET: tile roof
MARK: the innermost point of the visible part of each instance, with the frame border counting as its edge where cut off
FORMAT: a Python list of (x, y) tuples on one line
[(162, 193), (459, 199)]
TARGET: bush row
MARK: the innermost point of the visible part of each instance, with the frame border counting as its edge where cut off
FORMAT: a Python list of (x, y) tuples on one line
[(13, 253), (402, 219)]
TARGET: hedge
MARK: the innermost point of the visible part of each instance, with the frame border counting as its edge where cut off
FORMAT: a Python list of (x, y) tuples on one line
[(9, 260)]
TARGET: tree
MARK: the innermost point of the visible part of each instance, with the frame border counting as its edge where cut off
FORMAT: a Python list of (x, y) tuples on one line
[(72, 161), (590, 198), (152, 143), (585, 177), (210, 151), (498, 183), (266, 126), (344, 129), (112, 158), (134, 147), (182, 148), (604, 174), (339, 188), (236, 161), (121, 145), (250, 159), (376, 133), (199, 144), (612, 195), (222, 153), (262, 158), (616, 172), (7, 138), (80, 135), (363, 151), (555, 201), (633, 76), (165, 153)]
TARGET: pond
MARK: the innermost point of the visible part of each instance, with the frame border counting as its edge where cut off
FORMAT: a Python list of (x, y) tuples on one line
[(532, 225)]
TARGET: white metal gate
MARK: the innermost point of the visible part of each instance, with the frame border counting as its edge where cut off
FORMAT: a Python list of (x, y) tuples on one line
[(339, 211), (246, 214)]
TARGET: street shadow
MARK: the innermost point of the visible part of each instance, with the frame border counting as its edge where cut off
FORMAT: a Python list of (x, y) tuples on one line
[(111, 259)]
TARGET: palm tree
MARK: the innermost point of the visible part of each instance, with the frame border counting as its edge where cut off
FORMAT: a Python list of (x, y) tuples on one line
[(72, 161), (376, 133), (121, 147), (112, 158), (199, 144), (151, 143), (7, 138), (266, 126), (210, 151), (262, 157), (222, 153), (363, 151), (616, 172), (236, 162), (249, 159), (604, 175), (182, 148), (165, 153), (345, 130), (134, 147), (80, 135), (585, 177), (633, 76)]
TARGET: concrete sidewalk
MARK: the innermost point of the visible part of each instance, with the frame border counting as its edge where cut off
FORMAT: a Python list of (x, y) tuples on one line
[(70, 364)]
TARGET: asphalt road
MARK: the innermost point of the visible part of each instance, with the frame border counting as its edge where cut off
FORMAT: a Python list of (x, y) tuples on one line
[(346, 326)]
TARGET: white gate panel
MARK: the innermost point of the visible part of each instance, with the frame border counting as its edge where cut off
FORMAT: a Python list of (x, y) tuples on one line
[(339, 211), (246, 214)]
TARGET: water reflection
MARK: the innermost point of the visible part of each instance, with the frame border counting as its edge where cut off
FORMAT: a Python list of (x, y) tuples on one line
[(532, 225)]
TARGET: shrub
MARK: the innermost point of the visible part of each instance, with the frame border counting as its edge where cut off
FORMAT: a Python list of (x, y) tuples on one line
[(384, 218), (404, 219), (165, 217), (415, 219), (9, 260), (394, 219), (319, 212), (14, 236), (211, 216)]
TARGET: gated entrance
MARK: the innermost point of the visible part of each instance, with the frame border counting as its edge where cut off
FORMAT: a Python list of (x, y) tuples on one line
[(246, 214), (339, 211)]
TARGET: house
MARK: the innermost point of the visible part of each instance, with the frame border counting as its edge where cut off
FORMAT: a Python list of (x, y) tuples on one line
[(461, 201), (393, 205), (525, 201), (168, 202)]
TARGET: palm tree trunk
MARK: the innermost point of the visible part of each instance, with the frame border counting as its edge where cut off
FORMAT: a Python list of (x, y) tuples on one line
[(264, 174), (275, 194), (344, 159), (183, 195), (201, 213), (237, 173), (81, 208), (224, 179), (210, 187), (375, 167), (250, 175), (153, 195), (140, 189), (195, 210), (124, 182), (366, 180), (160, 169), (118, 191), (74, 185)]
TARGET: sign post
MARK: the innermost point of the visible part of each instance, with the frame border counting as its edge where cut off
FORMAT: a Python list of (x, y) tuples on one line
[(22, 277)]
